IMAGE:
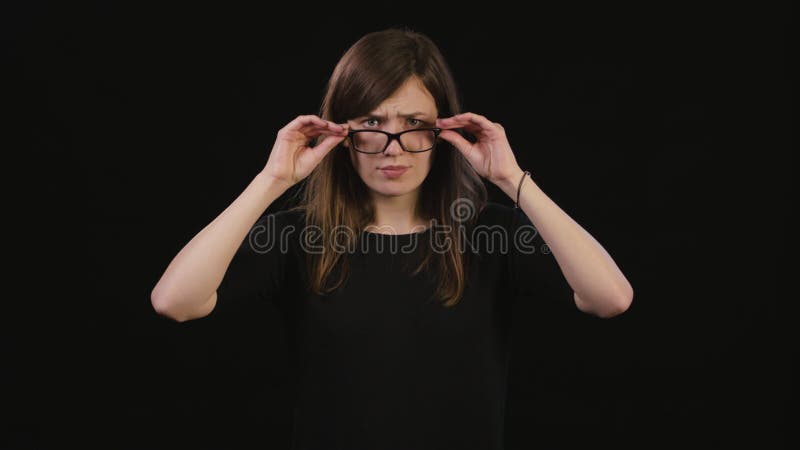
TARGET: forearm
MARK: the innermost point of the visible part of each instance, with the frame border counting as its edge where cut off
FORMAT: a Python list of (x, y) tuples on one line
[(600, 287), (196, 271)]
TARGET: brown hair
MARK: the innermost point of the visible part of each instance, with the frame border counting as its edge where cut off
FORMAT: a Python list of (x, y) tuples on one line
[(335, 196)]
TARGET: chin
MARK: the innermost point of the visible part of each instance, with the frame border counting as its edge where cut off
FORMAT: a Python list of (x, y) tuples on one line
[(393, 188), (392, 191)]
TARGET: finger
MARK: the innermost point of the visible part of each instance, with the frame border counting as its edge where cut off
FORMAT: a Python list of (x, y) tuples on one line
[(309, 120), (457, 140), (478, 122), (465, 125), (301, 121), (326, 145), (486, 125), (315, 129), (462, 124)]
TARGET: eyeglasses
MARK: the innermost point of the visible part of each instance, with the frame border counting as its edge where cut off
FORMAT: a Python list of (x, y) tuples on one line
[(417, 140)]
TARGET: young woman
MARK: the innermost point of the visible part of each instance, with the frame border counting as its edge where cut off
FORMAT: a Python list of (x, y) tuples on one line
[(394, 271)]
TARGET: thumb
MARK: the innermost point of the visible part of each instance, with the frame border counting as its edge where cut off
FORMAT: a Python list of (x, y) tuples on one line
[(322, 148), (457, 140)]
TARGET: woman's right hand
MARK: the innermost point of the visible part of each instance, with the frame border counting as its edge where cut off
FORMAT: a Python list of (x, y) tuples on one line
[(291, 158)]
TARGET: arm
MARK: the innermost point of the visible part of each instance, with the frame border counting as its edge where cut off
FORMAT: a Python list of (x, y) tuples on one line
[(187, 289), (600, 287)]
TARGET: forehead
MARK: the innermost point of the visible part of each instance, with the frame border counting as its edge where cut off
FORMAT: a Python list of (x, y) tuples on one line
[(411, 96)]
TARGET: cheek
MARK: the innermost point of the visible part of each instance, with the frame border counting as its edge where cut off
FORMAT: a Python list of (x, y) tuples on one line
[(425, 162), (360, 163), (355, 160)]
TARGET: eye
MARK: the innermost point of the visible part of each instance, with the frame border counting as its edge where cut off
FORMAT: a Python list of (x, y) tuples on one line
[(370, 119), (418, 122)]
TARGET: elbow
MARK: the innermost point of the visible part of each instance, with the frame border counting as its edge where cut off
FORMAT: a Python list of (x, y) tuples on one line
[(163, 306), (607, 308), (619, 305)]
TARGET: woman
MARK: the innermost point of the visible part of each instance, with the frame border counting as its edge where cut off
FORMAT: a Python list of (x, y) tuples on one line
[(404, 348)]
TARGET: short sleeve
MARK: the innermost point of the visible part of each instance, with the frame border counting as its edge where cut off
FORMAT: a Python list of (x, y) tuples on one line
[(258, 270), (534, 271)]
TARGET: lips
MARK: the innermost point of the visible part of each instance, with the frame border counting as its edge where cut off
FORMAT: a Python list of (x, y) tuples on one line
[(393, 167), (393, 171)]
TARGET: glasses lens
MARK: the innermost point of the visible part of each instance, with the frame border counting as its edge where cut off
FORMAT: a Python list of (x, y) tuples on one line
[(375, 142), (370, 142), (415, 141)]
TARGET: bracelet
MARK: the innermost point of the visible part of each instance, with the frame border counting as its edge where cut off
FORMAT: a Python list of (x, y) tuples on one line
[(519, 188)]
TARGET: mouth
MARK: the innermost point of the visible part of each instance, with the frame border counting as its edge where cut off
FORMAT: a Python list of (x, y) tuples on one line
[(393, 171), (393, 167)]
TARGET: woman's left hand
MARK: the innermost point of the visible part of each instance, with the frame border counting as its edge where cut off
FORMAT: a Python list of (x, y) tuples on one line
[(491, 155)]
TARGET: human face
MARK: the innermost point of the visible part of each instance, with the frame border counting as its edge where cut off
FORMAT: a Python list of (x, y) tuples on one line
[(411, 106)]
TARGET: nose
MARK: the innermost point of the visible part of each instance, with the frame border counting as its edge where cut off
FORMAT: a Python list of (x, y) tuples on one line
[(394, 148)]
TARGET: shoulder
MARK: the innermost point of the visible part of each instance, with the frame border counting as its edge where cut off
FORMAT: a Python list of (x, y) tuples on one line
[(283, 218), (274, 229)]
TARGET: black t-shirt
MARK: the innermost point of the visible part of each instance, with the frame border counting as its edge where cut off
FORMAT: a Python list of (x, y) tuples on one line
[(379, 364)]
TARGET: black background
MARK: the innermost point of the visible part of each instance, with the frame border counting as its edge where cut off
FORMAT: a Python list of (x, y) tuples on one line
[(665, 132)]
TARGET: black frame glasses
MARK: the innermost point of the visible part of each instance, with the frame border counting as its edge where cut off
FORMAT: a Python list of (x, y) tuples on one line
[(393, 136)]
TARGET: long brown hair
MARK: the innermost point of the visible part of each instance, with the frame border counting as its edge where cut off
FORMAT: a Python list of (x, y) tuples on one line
[(334, 195)]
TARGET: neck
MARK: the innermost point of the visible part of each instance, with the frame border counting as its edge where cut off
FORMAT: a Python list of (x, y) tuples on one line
[(396, 214)]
